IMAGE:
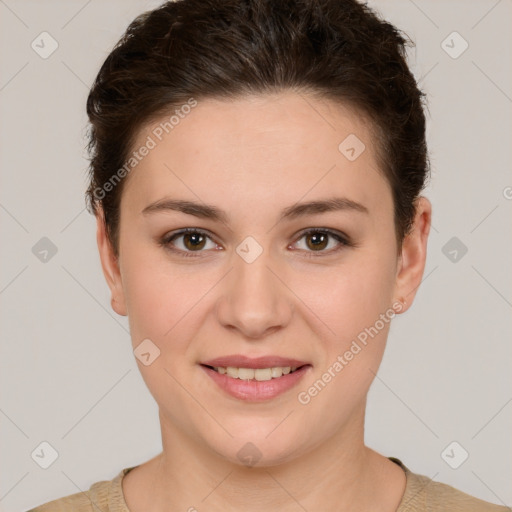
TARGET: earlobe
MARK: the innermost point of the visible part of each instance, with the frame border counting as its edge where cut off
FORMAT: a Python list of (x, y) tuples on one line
[(413, 255), (110, 266)]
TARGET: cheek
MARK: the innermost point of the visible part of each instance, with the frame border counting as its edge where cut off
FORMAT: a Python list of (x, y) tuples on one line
[(354, 303), (157, 295), (163, 305), (353, 347), (351, 296)]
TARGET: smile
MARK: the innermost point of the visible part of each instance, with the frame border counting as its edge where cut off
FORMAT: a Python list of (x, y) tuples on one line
[(259, 374), (256, 384)]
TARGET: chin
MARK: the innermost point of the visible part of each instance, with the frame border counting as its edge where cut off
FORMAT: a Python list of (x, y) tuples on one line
[(257, 448)]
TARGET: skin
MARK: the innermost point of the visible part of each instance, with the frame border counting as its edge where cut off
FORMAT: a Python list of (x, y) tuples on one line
[(265, 153)]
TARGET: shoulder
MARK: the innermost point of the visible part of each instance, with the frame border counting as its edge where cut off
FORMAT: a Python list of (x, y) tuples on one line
[(425, 495), (103, 496)]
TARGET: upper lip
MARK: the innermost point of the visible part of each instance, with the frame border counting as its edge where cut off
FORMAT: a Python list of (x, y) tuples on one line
[(240, 361)]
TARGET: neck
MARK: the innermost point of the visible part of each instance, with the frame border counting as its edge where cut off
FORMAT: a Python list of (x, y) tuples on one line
[(341, 474)]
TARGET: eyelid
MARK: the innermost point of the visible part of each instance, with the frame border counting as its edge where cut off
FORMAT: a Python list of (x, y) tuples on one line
[(333, 232), (342, 239), (166, 240)]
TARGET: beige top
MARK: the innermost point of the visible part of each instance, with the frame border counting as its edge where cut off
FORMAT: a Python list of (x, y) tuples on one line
[(421, 495)]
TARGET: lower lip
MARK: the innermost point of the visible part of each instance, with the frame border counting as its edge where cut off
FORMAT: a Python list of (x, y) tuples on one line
[(254, 390)]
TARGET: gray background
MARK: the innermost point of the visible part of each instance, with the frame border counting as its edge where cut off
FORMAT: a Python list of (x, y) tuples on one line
[(68, 375)]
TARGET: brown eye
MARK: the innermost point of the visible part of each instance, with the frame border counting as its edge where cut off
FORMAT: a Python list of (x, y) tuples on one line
[(319, 240), (188, 241), (194, 241)]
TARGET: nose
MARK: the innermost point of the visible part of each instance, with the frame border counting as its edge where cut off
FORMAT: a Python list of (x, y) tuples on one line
[(254, 298)]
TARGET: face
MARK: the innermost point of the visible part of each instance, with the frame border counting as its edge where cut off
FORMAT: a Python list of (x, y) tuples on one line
[(290, 261)]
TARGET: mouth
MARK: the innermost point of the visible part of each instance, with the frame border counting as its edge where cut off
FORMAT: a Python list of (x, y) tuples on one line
[(257, 374), (255, 380)]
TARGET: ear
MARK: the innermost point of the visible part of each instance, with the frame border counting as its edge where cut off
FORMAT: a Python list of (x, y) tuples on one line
[(413, 255), (110, 266)]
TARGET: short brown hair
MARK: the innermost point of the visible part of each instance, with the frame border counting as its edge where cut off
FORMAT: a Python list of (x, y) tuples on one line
[(336, 49)]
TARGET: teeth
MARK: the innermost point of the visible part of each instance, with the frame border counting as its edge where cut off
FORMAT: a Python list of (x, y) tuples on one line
[(276, 372), (243, 373), (263, 374), (259, 374), (232, 372)]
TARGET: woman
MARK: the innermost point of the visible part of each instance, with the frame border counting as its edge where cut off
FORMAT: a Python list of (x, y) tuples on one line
[(256, 176)]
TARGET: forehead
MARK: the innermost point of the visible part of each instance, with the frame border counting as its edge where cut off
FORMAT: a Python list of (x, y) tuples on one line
[(271, 121), (284, 146)]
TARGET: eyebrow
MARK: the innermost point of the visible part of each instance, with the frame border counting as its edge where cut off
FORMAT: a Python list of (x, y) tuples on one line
[(211, 212)]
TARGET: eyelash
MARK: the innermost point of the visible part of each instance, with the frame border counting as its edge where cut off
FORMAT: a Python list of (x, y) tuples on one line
[(343, 240)]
